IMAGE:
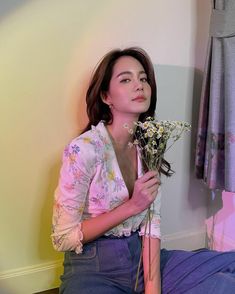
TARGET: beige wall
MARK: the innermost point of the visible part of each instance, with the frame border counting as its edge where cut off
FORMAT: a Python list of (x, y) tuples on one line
[(47, 52)]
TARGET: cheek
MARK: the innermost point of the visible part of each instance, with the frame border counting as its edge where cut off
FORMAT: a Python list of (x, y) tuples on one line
[(111, 96), (114, 91), (149, 91)]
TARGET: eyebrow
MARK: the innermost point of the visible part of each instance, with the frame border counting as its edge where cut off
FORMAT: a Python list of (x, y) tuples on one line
[(129, 72)]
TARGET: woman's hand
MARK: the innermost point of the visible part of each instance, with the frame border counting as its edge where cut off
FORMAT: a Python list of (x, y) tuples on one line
[(145, 191)]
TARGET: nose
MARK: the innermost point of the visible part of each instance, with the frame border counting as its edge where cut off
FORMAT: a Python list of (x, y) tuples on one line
[(138, 85)]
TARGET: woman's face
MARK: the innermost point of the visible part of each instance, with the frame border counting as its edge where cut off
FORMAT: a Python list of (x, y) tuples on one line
[(129, 91)]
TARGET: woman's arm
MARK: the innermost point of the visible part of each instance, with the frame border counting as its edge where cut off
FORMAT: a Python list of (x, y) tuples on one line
[(152, 277), (145, 191), (69, 232)]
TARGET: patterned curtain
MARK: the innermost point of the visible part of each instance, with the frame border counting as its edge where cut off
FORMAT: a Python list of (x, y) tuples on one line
[(215, 150)]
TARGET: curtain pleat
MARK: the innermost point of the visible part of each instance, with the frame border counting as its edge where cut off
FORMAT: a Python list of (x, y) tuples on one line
[(215, 151)]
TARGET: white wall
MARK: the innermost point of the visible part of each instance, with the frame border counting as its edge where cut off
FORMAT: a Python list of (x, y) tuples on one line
[(47, 52)]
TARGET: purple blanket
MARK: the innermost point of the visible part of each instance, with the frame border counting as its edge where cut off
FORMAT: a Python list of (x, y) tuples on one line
[(201, 271)]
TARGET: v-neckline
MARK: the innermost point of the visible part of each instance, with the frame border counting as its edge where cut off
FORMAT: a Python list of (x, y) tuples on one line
[(138, 161)]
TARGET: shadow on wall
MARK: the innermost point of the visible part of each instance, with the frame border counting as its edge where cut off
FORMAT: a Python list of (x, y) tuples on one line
[(8, 7), (45, 248), (42, 82), (5, 291), (198, 192), (202, 23), (77, 107), (78, 110), (185, 197)]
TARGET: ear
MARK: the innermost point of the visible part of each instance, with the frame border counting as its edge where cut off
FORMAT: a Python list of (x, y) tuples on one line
[(105, 98)]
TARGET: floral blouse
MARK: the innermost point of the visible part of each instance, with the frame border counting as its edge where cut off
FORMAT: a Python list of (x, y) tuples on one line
[(90, 184)]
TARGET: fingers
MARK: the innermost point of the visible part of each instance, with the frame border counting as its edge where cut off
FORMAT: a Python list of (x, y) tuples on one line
[(148, 176), (145, 190), (148, 180), (153, 191), (151, 187), (152, 182)]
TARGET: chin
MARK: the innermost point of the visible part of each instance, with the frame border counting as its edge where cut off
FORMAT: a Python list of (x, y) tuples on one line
[(144, 108)]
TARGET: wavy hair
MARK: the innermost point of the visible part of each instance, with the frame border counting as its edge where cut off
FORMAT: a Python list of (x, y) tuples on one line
[(97, 110)]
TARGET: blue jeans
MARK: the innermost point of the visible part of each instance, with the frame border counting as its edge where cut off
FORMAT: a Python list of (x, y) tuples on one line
[(107, 265)]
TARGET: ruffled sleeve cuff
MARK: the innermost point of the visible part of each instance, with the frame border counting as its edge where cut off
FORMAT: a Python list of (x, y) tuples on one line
[(154, 231), (69, 241)]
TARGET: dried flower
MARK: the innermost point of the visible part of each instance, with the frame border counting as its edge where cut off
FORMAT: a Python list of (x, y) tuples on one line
[(154, 138)]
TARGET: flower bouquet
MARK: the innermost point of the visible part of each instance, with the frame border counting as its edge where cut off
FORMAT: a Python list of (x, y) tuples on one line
[(154, 138)]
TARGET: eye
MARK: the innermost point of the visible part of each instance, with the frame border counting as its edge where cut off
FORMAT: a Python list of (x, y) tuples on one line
[(144, 80), (125, 81)]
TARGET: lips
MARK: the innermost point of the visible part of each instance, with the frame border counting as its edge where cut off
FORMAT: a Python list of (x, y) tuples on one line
[(139, 99)]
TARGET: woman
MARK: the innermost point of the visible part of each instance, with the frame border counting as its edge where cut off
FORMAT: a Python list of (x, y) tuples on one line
[(103, 194)]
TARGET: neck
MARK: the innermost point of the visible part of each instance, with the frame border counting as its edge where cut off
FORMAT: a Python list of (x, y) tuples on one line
[(120, 135)]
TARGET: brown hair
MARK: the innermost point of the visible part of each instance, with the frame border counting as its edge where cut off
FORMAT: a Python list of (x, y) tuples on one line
[(97, 110)]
